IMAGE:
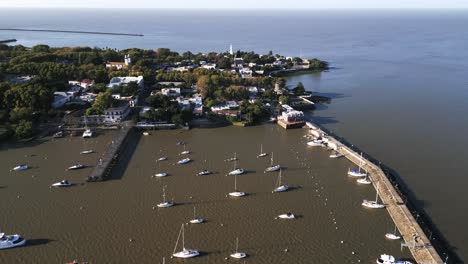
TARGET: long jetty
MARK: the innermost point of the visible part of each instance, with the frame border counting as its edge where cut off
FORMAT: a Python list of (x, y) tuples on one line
[(5, 41), (72, 31), (105, 163), (415, 239)]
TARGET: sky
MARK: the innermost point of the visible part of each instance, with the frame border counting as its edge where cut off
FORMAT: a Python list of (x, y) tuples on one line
[(237, 4)]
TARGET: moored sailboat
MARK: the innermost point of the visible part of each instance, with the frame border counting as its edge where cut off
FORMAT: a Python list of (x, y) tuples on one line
[(185, 253)]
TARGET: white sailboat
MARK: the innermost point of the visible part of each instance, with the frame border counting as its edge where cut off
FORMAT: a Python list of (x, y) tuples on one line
[(393, 236), (21, 167), (11, 241), (185, 152), (160, 173), (272, 167), (374, 204), (336, 155), (315, 143), (287, 216), (162, 159), (237, 254), (358, 172), (87, 133), (236, 193), (185, 253), (364, 180), (280, 187), (76, 166), (165, 203), (204, 172), (63, 183), (89, 151), (184, 161), (196, 220), (261, 154), (236, 171)]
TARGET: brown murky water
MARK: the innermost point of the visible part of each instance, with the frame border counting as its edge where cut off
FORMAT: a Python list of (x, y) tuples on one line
[(114, 221)]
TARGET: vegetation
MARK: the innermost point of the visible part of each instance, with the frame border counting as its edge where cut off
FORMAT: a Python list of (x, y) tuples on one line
[(24, 105)]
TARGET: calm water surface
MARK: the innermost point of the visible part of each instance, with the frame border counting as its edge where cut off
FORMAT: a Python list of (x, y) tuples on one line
[(95, 221)]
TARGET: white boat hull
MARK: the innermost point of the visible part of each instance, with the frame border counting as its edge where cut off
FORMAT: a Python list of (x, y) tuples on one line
[(87, 151), (236, 172), (185, 152), (237, 194), (287, 216), (281, 188), (363, 181), (392, 236), (315, 144), (205, 172), (354, 173), (186, 253), (162, 174), (11, 241), (21, 168), (238, 255), (60, 184), (261, 155), (197, 221), (372, 204), (165, 205), (162, 159), (273, 168), (336, 156)]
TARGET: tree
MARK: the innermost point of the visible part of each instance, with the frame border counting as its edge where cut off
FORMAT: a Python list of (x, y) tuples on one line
[(24, 129), (284, 99), (40, 48), (177, 119), (130, 89), (299, 89)]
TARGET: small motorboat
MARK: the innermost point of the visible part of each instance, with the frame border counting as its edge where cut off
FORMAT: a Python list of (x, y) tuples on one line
[(11, 241), (89, 151), (204, 172), (162, 159), (357, 173), (161, 174), (287, 216), (237, 194), (146, 133), (336, 155), (372, 204), (63, 183), (273, 168), (58, 134), (21, 167), (184, 161), (87, 133), (76, 167), (315, 143), (364, 180), (237, 171), (392, 236)]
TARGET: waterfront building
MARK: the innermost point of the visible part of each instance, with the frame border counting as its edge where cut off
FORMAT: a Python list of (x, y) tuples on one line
[(245, 72), (195, 104), (171, 92), (85, 83), (117, 114), (230, 108), (291, 118), (60, 99)]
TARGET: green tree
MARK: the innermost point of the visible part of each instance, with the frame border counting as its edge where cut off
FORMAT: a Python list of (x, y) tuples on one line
[(299, 89), (284, 99), (24, 129)]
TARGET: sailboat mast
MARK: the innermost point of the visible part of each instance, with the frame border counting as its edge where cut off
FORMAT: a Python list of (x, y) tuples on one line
[(237, 244), (183, 237), (194, 213), (235, 183), (271, 159), (178, 237)]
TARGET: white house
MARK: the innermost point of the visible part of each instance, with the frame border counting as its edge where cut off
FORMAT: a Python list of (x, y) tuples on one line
[(209, 66), (118, 81), (245, 72), (171, 92), (196, 101), (117, 114), (85, 83), (60, 99)]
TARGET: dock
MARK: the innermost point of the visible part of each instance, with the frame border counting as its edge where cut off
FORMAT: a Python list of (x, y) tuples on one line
[(415, 238), (6, 41), (107, 160)]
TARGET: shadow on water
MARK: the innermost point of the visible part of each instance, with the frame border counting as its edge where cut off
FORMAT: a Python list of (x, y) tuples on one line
[(125, 155), (8, 145), (331, 95), (324, 120), (415, 206), (37, 242)]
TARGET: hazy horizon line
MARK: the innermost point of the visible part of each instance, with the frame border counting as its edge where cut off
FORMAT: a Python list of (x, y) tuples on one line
[(244, 8)]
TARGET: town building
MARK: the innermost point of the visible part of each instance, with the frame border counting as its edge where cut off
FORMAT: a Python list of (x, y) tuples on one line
[(120, 65), (60, 99), (171, 92), (117, 114), (120, 81)]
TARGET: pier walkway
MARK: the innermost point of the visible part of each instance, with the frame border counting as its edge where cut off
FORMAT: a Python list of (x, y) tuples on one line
[(107, 159), (412, 233)]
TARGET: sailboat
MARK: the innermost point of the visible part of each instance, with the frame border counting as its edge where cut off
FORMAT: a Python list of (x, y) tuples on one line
[(87, 133), (287, 216), (165, 203), (236, 193), (357, 173), (280, 187), (236, 171), (336, 155), (393, 236), (233, 158), (185, 152), (365, 180), (184, 161), (160, 174), (272, 167), (204, 172), (89, 151), (196, 220), (237, 254), (185, 253), (374, 204), (262, 154)]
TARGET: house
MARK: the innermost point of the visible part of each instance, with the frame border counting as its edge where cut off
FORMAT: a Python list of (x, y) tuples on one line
[(60, 99), (209, 66), (238, 62), (171, 92), (245, 72), (195, 103), (146, 109), (85, 83), (75, 90), (117, 114), (118, 81), (132, 100), (230, 108)]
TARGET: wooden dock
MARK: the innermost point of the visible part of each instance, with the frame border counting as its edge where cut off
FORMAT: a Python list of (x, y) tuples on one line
[(415, 239), (105, 163)]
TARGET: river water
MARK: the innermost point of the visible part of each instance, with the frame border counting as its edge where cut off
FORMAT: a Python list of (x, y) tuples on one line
[(115, 222), (399, 85)]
